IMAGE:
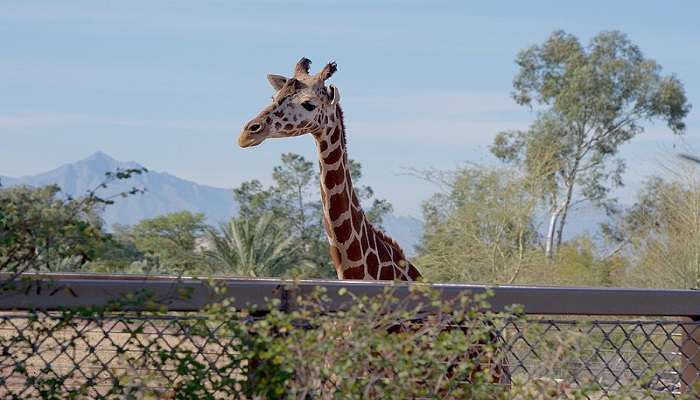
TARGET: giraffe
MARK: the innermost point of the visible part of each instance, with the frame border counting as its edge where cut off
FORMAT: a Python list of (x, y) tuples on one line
[(303, 104)]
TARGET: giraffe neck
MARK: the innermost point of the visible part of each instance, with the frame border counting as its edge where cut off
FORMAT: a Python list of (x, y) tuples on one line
[(358, 249)]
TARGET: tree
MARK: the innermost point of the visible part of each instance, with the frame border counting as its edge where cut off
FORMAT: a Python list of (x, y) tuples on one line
[(170, 237), (293, 180), (480, 228), (38, 228), (42, 230), (379, 208), (294, 202), (260, 248), (661, 234), (593, 99)]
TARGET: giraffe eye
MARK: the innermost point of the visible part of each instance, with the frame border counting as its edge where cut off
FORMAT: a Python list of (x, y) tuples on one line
[(309, 106)]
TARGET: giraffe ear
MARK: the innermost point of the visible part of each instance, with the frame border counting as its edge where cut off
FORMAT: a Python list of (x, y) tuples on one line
[(277, 81), (335, 94)]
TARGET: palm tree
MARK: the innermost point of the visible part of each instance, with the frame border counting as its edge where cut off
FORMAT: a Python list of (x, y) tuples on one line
[(253, 248)]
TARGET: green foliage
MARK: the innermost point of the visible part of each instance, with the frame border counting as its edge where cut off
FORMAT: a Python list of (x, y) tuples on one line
[(350, 355), (660, 234), (593, 99), (294, 201), (390, 346), (579, 263), (170, 239), (259, 248), (37, 228), (41, 230), (480, 228)]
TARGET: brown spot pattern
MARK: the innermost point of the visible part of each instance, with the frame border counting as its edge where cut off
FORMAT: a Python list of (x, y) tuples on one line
[(382, 252), (354, 252), (356, 218), (371, 238), (333, 178), (355, 200), (396, 257), (387, 273), (365, 242), (336, 135), (343, 231), (339, 203), (413, 272), (372, 265), (354, 273), (334, 156)]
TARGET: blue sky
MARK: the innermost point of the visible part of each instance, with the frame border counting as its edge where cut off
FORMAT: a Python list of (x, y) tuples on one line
[(424, 83)]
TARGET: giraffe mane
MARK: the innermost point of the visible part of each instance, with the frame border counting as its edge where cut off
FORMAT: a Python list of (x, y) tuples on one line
[(342, 126), (389, 241), (383, 236)]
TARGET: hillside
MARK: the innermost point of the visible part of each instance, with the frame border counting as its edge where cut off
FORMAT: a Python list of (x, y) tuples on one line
[(165, 193)]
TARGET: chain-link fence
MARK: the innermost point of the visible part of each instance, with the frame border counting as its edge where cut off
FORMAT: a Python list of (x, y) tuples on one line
[(648, 358), (133, 355)]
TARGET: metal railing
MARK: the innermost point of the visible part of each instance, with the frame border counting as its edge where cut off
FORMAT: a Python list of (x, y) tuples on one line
[(609, 337)]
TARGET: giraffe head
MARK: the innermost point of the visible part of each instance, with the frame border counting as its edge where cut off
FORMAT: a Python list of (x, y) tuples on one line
[(301, 104)]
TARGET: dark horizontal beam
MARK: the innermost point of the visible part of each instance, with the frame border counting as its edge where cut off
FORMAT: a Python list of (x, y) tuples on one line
[(56, 291)]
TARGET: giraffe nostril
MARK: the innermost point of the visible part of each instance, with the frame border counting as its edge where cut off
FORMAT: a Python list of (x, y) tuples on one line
[(255, 128)]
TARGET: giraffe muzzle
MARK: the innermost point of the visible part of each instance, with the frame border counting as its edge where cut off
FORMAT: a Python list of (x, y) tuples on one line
[(248, 140), (252, 135)]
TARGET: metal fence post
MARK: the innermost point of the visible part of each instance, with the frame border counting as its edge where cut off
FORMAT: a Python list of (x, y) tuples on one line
[(690, 350)]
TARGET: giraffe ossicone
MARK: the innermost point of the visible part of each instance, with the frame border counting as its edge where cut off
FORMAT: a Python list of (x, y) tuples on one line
[(303, 104)]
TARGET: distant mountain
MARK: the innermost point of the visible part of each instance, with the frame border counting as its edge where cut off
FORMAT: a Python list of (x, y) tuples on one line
[(165, 193)]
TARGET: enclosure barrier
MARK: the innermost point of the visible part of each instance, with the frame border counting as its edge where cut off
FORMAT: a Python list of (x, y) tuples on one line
[(645, 337)]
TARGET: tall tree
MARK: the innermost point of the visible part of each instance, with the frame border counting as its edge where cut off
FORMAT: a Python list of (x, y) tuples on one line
[(480, 227), (592, 100), (660, 234), (294, 201), (170, 237), (293, 194), (41, 229), (257, 248)]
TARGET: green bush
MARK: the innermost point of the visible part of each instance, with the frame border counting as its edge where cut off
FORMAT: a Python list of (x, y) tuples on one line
[(396, 345)]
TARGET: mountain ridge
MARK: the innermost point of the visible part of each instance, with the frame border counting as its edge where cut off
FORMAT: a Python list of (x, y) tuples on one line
[(167, 193)]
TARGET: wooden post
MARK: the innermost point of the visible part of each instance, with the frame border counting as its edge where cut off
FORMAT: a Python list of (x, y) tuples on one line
[(690, 351)]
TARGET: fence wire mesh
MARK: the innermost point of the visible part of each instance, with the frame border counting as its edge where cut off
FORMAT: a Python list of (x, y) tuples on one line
[(132, 356), (646, 358)]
